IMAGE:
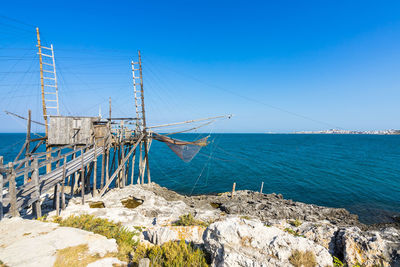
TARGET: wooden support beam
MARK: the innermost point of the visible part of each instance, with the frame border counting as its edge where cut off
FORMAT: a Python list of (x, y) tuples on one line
[(95, 172), (27, 149), (133, 166), (63, 184), (35, 180), (119, 168), (82, 179), (233, 189), (123, 171), (103, 162), (107, 164), (12, 188)]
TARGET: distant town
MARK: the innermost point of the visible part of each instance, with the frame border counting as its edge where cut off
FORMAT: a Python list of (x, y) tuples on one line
[(336, 131)]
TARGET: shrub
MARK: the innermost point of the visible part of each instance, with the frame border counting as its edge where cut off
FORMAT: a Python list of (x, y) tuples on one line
[(337, 262), (189, 220), (293, 232), (171, 254), (295, 223), (303, 259)]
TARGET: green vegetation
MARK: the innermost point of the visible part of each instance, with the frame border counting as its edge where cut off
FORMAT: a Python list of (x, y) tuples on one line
[(245, 217), (109, 229), (303, 259), (97, 205), (131, 202), (337, 262), (3, 264), (293, 232), (189, 220), (171, 254), (129, 250), (295, 223)]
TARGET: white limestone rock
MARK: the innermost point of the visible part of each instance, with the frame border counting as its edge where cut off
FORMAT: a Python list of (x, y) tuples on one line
[(238, 242), (35, 243)]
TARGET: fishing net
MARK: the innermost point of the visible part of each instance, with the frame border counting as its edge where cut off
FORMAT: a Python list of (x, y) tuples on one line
[(184, 149)]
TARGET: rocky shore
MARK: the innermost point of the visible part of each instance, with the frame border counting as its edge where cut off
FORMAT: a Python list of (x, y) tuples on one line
[(248, 229)]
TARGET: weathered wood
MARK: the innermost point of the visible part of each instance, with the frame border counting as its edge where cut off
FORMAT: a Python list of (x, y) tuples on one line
[(57, 197), (262, 185), (233, 189), (35, 181), (82, 179), (123, 171), (107, 164), (103, 162), (119, 168), (28, 148), (133, 166), (12, 188), (1, 190), (95, 172), (56, 187), (63, 184)]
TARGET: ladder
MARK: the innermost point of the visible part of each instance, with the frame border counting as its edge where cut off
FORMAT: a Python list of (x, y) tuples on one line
[(48, 80), (138, 94)]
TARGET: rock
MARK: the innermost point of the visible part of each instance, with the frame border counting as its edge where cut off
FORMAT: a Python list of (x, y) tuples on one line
[(35, 243), (144, 262), (367, 248), (160, 235), (107, 262), (239, 242)]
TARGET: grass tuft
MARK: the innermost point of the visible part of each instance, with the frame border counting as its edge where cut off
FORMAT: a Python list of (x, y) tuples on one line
[(171, 254), (189, 220), (75, 256), (295, 223), (293, 232), (303, 259)]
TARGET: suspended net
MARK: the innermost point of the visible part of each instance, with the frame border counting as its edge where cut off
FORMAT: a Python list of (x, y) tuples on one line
[(186, 150)]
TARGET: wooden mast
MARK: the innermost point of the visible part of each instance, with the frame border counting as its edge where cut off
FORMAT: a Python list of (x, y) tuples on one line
[(46, 125), (146, 136)]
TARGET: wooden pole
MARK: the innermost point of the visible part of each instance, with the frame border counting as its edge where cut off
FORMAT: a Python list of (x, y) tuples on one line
[(13, 191), (107, 163), (27, 148), (63, 183), (146, 152), (133, 166), (56, 194), (141, 179), (35, 180), (103, 154), (123, 171), (82, 179), (262, 185), (119, 168), (233, 189), (95, 171), (46, 124), (1, 190)]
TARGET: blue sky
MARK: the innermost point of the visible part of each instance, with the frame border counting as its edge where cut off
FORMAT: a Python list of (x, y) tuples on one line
[(279, 66)]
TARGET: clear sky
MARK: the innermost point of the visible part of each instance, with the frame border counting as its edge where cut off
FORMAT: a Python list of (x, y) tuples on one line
[(279, 66)]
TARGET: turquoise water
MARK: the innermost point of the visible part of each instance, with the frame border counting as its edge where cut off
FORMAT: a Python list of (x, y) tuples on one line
[(358, 172)]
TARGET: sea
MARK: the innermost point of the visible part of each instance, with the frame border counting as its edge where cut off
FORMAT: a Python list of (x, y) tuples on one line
[(360, 173)]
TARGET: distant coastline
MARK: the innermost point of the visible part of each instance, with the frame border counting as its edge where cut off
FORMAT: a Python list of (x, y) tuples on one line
[(336, 131)]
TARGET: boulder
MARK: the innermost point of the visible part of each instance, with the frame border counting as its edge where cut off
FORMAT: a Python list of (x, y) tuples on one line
[(240, 242), (160, 235), (35, 243)]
